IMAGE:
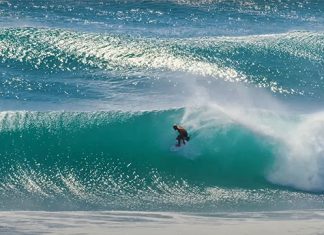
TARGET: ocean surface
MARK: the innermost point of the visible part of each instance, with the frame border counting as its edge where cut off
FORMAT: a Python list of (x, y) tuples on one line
[(90, 90)]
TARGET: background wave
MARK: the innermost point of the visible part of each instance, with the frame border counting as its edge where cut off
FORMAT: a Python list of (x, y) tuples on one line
[(247, 59), (104, 71)]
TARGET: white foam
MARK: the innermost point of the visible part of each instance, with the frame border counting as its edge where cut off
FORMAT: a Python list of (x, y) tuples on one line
[(298, 139), (300, 160)]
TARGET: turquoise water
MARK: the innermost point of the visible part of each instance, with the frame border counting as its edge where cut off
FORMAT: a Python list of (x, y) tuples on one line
[(89, 92)]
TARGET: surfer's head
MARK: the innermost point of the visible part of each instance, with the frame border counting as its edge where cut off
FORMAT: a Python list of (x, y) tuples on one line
[(175, 127)]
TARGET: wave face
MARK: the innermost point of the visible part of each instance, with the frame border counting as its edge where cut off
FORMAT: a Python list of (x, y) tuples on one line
[(107, 158), (89, 92), (116, 160)]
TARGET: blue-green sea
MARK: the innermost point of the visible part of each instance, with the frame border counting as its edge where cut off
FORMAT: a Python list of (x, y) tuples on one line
[(90, 90)]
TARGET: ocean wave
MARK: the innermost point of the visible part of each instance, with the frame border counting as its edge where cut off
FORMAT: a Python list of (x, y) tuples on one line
[(124, 160), (266, 61)]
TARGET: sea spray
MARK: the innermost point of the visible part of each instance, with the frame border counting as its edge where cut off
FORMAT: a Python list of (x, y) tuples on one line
[(300, 160)]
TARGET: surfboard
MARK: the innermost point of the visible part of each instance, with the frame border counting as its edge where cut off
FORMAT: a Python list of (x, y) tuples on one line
[(175, 148)]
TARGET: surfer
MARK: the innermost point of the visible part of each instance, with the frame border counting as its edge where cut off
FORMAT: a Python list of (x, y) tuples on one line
[(183, 135)]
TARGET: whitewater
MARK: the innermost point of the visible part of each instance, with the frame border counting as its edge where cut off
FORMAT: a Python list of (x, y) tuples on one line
[(90, 90)]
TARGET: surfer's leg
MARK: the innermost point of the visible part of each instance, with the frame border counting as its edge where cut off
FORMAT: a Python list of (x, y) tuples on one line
[(178, 139)]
